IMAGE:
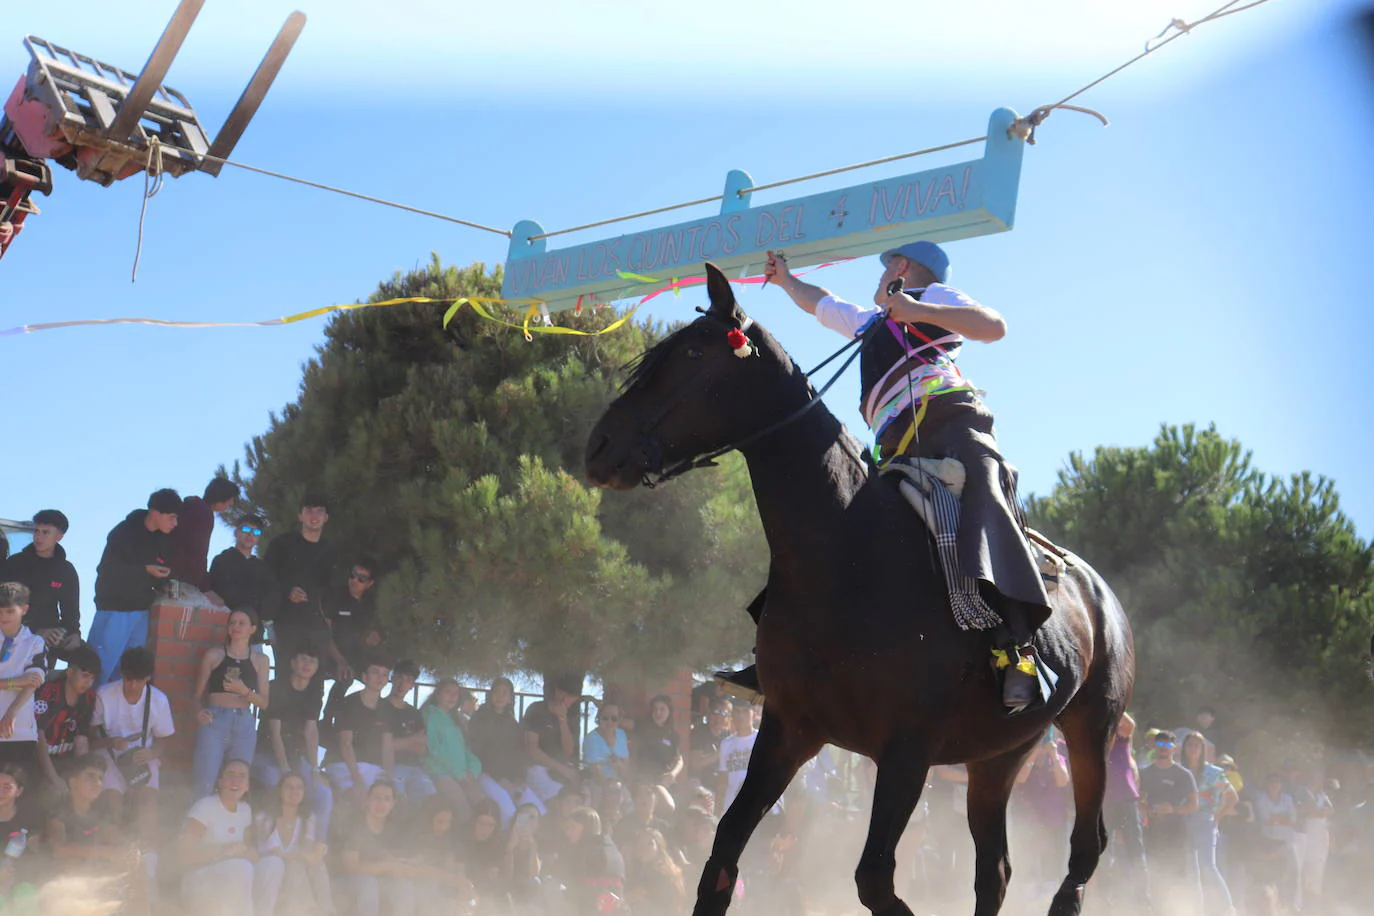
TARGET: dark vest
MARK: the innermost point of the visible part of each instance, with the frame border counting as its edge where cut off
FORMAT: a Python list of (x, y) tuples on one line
[(881, 350)]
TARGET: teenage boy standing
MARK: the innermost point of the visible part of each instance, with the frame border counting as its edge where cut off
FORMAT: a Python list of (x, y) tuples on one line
[(241, 579), (303, 563), (191, 540), (131, 571)]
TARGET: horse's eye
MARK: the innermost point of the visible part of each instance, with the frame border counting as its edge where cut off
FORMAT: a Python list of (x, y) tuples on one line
[(694, 352)]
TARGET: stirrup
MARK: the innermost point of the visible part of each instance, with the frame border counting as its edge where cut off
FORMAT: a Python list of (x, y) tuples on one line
[(743, 684)]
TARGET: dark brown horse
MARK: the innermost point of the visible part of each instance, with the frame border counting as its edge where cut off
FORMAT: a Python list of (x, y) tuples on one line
[(856, 642)]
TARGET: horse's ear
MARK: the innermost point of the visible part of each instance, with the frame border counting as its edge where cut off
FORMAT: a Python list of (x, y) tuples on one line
[(723, 304)]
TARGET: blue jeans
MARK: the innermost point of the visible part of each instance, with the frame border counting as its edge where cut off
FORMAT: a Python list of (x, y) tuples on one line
[(266, 774), (231, 735), (1202, 837), (413, 782), (114, 631)]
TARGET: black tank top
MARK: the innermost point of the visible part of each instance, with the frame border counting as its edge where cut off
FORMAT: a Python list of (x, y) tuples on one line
[(247, 673)]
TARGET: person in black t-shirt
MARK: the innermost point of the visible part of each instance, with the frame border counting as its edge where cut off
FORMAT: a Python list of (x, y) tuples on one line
[(303, 563), (375, 870), (289, 734), (549, 740), (705, 742), (241, 579), (83, 840), (19, 833), (363, 752), (351, 615), (409, 737), (1168, 794)]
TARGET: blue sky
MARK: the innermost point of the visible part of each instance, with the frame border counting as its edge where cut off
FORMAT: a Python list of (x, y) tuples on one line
[(1201, 260)]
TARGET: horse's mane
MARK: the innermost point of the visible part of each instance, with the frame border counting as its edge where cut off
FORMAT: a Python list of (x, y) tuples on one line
[(643, 365)]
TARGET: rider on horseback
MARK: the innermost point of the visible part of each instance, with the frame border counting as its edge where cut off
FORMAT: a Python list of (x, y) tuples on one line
[(919, 405)]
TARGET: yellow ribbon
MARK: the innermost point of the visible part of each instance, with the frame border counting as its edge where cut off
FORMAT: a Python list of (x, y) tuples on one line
[(1025, 663)]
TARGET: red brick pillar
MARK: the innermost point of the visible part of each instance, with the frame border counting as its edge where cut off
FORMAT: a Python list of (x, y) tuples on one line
[(179, 632)]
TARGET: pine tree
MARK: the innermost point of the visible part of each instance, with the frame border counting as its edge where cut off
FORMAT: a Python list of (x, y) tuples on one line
[(453, 456)]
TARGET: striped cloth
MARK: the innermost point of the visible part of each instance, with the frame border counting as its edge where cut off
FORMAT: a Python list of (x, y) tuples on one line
[(939, 508)]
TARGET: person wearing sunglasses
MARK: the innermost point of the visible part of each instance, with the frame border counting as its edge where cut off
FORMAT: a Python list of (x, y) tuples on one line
[(241, 578), (351, 615), (1168, 795), (606, 749)]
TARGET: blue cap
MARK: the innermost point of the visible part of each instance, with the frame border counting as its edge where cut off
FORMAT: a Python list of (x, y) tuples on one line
[(928, 254)]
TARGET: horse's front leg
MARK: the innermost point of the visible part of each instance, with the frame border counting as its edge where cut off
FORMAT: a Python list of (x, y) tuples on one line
[(779, 751), (901, 777)]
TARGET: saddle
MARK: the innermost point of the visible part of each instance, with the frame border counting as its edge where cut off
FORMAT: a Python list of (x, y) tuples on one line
[(920, 475)]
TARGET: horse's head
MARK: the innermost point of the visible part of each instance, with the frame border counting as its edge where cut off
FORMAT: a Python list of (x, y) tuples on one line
[(691, 394)]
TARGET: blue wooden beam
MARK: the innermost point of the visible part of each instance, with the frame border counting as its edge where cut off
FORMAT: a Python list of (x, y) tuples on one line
[(943, 204)]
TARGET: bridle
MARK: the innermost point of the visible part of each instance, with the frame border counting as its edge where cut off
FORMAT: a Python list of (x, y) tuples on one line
[(645, 426)]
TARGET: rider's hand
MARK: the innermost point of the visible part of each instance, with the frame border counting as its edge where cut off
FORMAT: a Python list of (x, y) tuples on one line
[(776, 270)]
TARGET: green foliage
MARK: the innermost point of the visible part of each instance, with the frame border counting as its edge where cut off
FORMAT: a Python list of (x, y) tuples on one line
[(1249, 593), (453, 457)]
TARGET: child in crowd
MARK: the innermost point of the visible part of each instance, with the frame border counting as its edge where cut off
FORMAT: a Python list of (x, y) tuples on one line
[(441, 884), (85, 842), (21, 673), (64, 709), (19, 832), (289, 734), (132, 718), (456, 771)]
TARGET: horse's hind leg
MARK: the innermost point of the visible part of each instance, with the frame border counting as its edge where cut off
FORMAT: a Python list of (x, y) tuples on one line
[(989, 787), (1089, 731), (901, 777), (779, 751)]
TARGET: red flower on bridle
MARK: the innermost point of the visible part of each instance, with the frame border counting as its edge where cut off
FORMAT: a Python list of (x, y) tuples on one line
[(740, 343)]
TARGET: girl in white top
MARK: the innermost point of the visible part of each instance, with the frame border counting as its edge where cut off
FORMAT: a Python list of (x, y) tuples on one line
[(217, 851), (290, 874)]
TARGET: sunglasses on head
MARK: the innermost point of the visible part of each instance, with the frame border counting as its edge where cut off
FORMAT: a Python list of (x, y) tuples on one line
[(249, 529)]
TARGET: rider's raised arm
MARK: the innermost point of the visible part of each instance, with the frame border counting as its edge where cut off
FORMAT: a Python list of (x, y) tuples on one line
[(805, 295), (947, 307)]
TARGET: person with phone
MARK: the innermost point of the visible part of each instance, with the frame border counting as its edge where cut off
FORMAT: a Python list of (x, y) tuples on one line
[(133, 570), (231, 683), (919, 405)]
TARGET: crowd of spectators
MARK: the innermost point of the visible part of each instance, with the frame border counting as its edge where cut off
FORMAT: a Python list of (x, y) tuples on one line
[(354, 800)]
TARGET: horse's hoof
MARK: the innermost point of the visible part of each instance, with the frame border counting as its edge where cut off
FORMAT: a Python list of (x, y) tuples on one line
[(1068, 901)]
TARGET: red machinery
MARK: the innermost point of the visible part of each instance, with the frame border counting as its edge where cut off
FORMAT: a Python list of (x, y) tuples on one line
[(100, 121)]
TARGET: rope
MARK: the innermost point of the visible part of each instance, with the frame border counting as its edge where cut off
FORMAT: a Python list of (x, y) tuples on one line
[(376, 200), (1025, 127), (1022, 129), (153, 179)]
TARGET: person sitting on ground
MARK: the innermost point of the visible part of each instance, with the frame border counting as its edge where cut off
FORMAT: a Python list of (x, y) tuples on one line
[(911, 337), (456, 771), (190, 541), (375, 871), (697, 829), (242, 579), (289, 735), (484, 850), (54, 587), (290, 876), (20, 832), (85, 841), (64, 709), (441, 884), (363, 750), (133, 571), (653, 880), (409, 738), (647, 797), (596, 867), (606, 749), (549, 740), (499, 743), (231, 683), (521, 866), (132, 721), (705, 742), (21, 674), (657, 754), (216, 849)]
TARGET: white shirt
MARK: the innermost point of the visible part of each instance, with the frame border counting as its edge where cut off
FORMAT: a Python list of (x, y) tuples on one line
[(269, 834), (849, 319), (26, 654), (735, 751), (222, 826), (122, 719)]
